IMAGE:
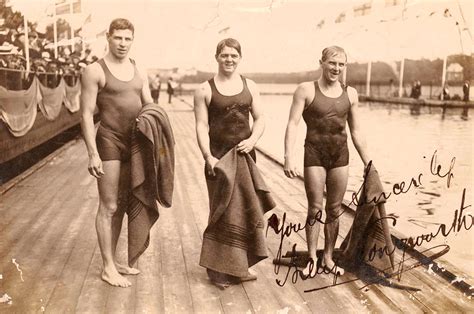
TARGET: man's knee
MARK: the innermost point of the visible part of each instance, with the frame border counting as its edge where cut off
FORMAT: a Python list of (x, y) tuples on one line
[(333, 210), (107, 208), (315, 214)]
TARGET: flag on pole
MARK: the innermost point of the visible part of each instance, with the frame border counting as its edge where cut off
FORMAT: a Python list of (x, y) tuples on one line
[(88, 19), (100, 34), (363, 9), (340, 18), (320, 24), (63, 7)]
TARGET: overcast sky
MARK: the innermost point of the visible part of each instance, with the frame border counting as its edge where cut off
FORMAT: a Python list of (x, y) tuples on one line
[(283, 35)]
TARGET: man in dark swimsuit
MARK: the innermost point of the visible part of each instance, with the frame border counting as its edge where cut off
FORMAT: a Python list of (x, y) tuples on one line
[(325, 105), (118, 90), (222, 107)]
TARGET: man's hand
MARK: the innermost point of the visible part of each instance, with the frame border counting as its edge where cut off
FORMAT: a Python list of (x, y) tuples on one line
[(245, 146), (290, 169), (211, 162), (95, 166)]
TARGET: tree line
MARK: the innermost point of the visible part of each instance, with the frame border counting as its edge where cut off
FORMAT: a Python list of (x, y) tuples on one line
[(426, 71)]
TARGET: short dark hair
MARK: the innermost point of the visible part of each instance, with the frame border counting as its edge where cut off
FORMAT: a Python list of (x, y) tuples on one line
[(332, 51), (120, 23), (228, 42)]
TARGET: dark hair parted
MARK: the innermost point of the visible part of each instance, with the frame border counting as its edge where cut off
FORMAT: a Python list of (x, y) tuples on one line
[(228, 42), (332, 51), (119, 24)]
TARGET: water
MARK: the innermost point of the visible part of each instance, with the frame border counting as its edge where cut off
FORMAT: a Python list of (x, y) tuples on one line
[(402, 143)]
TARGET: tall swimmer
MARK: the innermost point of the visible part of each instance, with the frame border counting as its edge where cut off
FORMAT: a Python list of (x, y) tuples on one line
[(325, 105), (118, 89)]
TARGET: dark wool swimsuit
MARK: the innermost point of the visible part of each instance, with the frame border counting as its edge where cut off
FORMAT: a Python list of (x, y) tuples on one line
[(229, 119), (113, 141), (326, 138)]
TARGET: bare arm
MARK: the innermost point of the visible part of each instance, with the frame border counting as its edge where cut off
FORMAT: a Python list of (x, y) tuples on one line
[(89, 88), (258, 127), (201, 98), (296, 111), (353, 120), (146, 94)]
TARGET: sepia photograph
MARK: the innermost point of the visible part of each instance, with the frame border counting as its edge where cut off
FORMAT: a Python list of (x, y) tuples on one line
[(236, 156)]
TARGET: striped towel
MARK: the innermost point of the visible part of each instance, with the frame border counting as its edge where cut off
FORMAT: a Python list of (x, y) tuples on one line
[(368, 229), (152, 176), (234, 239)]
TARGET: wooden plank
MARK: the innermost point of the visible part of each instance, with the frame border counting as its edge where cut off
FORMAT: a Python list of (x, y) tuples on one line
[(176, 293), (283, 202), (149, 284), (447, 299), (191, 145), (288, 297), (409, 278), (205, 297), (233, 299), (64, 276), (122, 300), (94, 292), (68, 286), (37, 245), (38, 189)]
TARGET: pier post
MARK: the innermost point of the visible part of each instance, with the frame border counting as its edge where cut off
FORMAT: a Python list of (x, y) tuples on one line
[(369, 70), (400, 86)]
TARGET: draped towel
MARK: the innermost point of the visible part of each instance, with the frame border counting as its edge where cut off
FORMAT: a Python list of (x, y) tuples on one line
[(234, 239), (52, 100), (368, 229), (152, 176), (72, 99), (18, 108)]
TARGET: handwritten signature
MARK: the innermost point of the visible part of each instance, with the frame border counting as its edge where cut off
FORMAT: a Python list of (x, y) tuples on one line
[(460, 222)]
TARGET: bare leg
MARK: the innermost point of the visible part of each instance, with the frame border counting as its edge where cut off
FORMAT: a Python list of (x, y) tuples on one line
[(108, 186), (123, 198), (336, 184), (314, 178)]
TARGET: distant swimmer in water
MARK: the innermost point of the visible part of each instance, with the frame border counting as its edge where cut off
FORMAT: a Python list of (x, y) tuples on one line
[(326, 106)]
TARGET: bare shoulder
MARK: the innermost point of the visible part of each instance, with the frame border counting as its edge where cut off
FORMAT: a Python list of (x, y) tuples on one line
[(92, 73), (353, 95), (203, 90), (141, 71), (305, 90), (253, 87), (251, 83)]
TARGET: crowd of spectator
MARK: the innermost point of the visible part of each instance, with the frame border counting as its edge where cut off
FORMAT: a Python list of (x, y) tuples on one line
[(49, 70)]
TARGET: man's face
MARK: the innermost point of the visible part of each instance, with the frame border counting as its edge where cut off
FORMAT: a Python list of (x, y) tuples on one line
[(120, 42), (333, 66), (228, 60)]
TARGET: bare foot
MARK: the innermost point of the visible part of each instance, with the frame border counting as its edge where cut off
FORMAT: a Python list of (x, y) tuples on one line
[(125, 270), (115, 279), (252, 275), (329, 265), (310, 269)]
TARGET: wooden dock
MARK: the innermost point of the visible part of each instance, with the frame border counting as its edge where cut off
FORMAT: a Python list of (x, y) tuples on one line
[(50, 261)]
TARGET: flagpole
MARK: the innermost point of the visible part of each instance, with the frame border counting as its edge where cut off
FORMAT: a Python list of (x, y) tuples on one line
[(443, 77), (400, 86), (55, 34), (27, 44), (70, 26)]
